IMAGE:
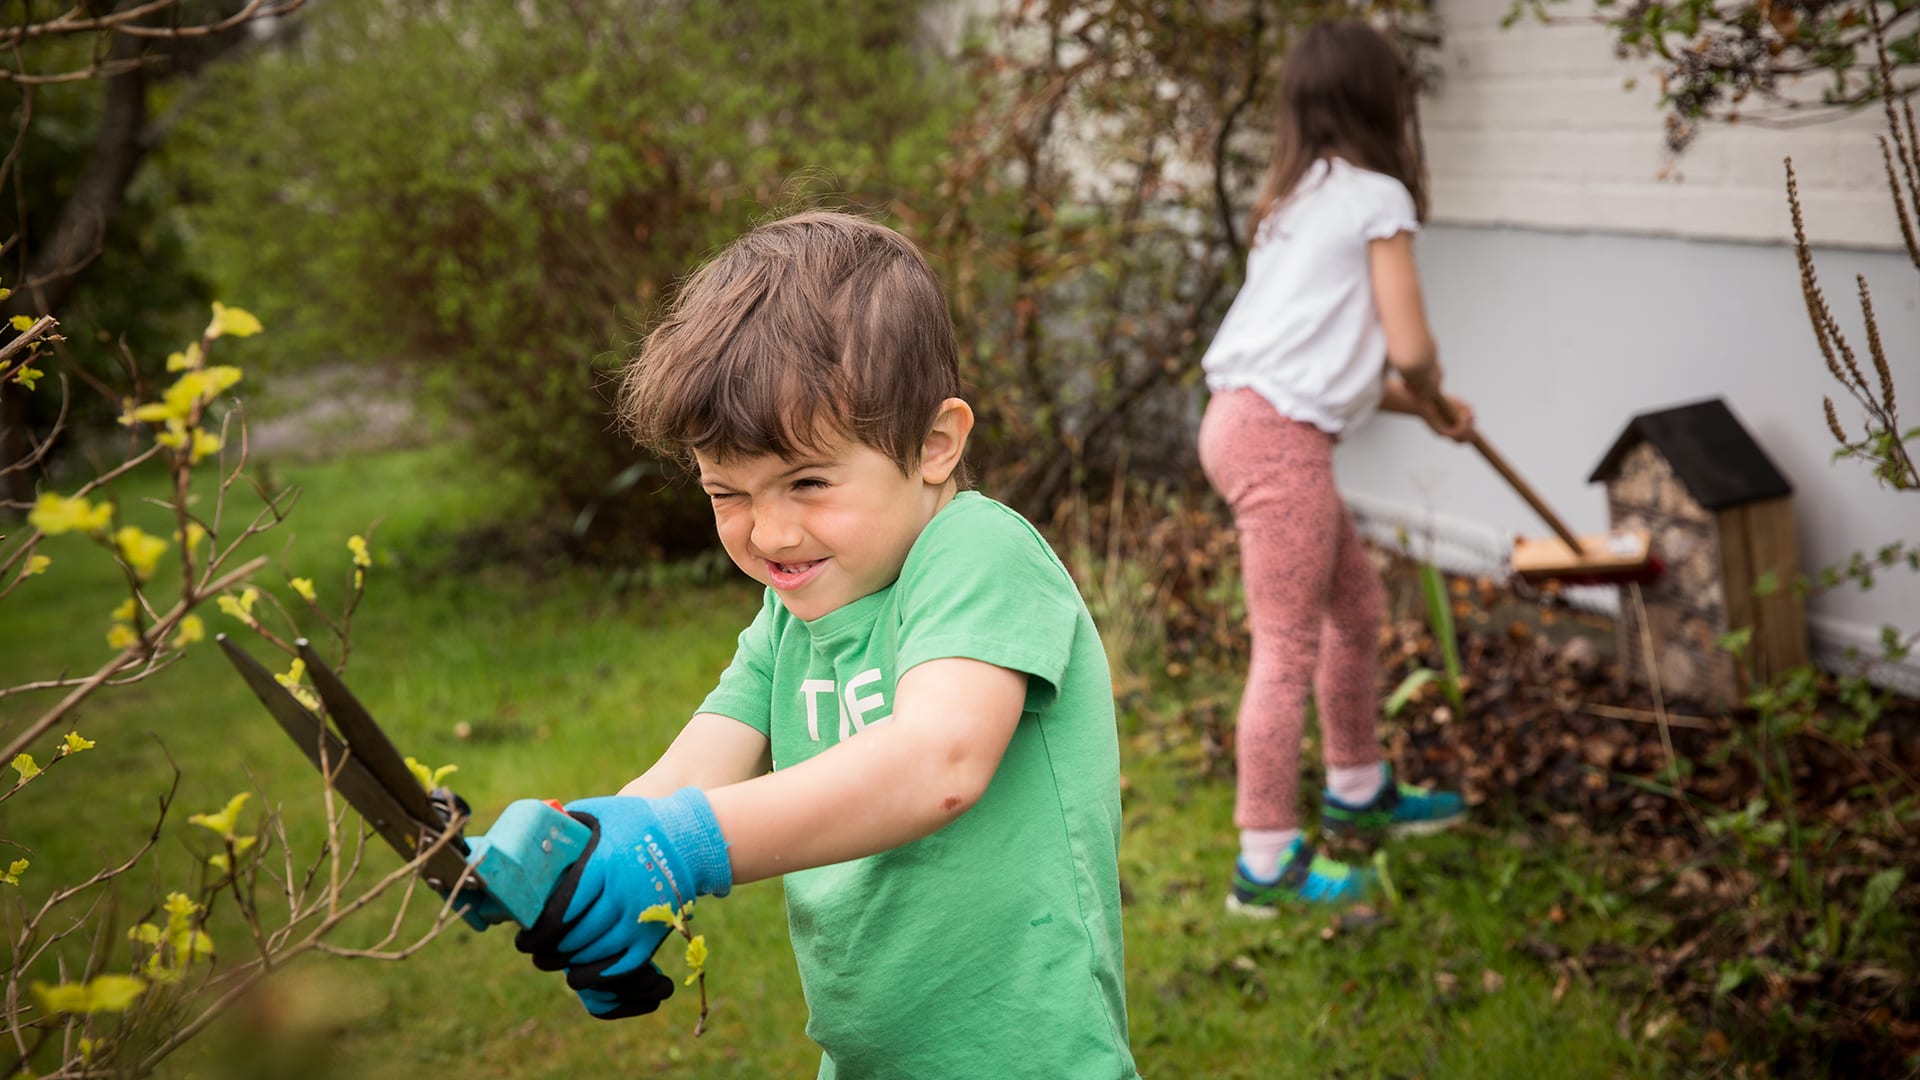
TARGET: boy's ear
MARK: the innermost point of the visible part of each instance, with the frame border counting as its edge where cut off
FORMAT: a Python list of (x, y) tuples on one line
[(946, 442)]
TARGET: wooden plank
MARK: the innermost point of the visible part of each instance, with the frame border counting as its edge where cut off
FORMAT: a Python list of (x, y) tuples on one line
[(1781, 635), (1735, 528)]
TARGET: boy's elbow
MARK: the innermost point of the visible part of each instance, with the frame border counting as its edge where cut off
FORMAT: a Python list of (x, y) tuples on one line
[(963, 778)]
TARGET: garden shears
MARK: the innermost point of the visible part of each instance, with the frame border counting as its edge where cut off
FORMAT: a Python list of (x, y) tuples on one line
[(505, 875)]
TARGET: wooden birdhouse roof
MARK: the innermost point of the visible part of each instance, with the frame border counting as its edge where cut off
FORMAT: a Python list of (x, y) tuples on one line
[(1709, 451)]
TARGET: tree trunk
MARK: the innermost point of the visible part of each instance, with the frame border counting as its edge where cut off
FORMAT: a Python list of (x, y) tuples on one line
[(55, 265)]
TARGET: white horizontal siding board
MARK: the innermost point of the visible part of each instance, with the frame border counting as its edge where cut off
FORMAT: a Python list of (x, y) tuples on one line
[(1544, 126)]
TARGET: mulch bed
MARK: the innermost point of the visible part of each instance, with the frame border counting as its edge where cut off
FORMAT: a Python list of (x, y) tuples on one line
[(1552, 736)]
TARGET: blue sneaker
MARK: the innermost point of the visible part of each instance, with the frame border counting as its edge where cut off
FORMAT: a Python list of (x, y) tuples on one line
[(1305, 877), (1400, 809)]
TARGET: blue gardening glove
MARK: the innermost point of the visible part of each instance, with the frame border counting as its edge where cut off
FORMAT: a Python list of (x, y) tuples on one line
[(642, 852), (606, 997), (617, 997)]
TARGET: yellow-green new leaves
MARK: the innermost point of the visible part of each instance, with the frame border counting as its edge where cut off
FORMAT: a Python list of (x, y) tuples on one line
[(185, 361), (292, 680), (202, 443), (22, 323), (36, 564), (303, 586), (192, 538), (232, 322), (27, 376), (121, 635), (696, 943), (178, 944), (140, 551), (240, 607), (195, 387), (12, 875), (55, 514), (192, 629), (101, 994), (223, 824), (430, 778), (696, 959), (29, 768), (222, 821), (362, 559)]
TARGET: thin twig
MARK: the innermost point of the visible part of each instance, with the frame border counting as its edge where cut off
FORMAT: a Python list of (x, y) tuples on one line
[(1615, 712), (1652, 664)]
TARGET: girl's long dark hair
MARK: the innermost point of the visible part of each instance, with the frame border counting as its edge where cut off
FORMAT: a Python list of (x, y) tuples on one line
[(1346, 92)]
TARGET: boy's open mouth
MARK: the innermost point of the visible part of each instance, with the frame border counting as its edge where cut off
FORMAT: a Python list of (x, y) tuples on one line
[(794, 574)]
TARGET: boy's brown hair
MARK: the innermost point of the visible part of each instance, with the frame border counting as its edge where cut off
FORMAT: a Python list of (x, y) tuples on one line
[(817, 325)]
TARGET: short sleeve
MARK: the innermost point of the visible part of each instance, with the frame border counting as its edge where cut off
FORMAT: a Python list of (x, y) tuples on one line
[(1385, 206), (745, 692), (986, 587)]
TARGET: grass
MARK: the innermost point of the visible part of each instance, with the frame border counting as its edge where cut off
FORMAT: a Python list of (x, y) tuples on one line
[(570, 690)]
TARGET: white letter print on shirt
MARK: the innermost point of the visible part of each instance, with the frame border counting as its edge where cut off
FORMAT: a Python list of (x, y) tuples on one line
[(853, 708), (811, 689)]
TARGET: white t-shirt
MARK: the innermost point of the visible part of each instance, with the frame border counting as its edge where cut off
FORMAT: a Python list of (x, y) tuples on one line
[(1304, 332)]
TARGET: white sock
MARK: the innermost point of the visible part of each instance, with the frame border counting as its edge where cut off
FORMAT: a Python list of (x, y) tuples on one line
[(1262, 849), (1356, 786)]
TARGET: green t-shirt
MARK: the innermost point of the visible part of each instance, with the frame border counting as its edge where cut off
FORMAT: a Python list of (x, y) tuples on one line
[(991, 948)]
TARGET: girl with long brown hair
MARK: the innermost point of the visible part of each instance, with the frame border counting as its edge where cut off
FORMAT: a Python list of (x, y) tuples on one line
[(1328, 329)]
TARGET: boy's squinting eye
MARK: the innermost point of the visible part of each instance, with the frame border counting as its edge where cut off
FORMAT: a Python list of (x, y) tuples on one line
[(810, 482)]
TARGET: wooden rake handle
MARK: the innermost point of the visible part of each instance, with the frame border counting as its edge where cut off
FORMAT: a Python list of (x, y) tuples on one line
[(1520, 486)]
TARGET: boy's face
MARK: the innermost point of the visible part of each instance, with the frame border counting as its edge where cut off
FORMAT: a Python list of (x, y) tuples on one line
[(828, 528)]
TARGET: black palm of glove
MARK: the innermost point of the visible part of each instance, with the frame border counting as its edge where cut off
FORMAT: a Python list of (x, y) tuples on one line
[(606, 997)]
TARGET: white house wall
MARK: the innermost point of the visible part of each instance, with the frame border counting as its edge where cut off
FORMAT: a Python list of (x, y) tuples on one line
[(1571, 288), (1542, 126)]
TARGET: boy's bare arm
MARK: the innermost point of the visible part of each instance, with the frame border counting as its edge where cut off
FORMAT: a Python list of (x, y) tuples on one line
[(711, 751), (893, 784)]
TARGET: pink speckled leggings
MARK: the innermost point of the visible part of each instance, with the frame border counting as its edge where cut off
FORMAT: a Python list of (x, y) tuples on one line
[(1313, 602)]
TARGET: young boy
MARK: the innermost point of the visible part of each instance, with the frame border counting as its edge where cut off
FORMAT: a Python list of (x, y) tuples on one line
[(917, 731)]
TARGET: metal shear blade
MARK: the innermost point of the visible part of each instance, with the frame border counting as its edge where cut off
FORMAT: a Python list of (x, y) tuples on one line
[(362, 762)]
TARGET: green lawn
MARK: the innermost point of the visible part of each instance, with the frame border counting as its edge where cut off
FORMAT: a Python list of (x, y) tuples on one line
[(571, 689)]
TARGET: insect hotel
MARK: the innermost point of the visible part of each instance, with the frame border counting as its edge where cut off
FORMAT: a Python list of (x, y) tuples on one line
[(1720, 516)]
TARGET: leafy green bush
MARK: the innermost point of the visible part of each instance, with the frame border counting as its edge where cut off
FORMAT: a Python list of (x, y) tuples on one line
[(494, 195)]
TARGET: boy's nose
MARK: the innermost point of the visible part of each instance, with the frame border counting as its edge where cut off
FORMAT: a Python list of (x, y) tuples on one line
[(774, 530)]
